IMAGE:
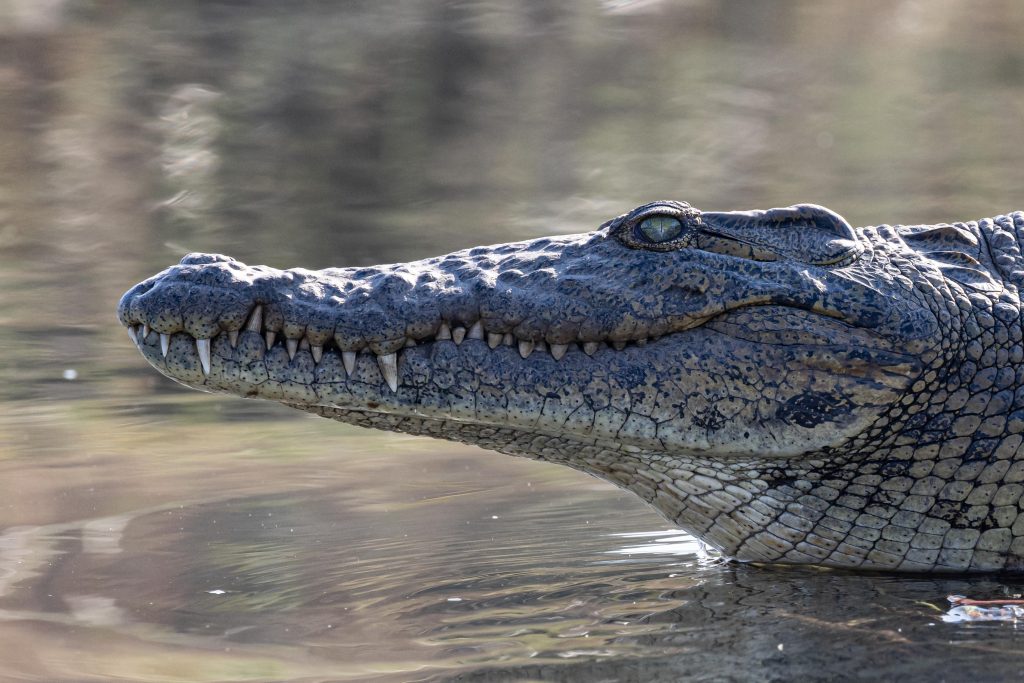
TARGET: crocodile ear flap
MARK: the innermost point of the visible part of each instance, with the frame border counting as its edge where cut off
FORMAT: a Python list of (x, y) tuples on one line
[(942, 237), (804, 232), (954, 250)]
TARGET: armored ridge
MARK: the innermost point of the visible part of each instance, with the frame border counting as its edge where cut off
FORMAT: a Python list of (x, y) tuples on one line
[(780, 384)]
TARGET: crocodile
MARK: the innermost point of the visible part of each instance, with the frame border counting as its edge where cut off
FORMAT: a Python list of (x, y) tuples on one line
[(782, 385)]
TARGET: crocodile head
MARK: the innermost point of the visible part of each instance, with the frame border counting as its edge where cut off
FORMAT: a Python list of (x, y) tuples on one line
[(740, 371)]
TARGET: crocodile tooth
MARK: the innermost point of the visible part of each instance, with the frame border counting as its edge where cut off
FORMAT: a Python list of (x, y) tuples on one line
[(590, 348), (476, 331), (525, 348), (317, 351), (131, 333), (203, 347), (618, 345), (641, 342), (458, 334), (508, 339), (349, 359), (558, 350), (304, 344), (233, 338), (292, 345), (145, 332), (444, 332), (409, 343), (165, 343), (493, 339), (255, 323), (270, 336), (388, 364)]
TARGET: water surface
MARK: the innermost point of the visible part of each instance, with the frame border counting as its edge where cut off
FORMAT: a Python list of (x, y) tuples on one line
[(148, 533)]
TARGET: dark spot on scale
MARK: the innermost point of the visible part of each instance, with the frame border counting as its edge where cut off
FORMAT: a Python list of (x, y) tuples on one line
[(372, 405), (980, 449), (894, 468), (251, 393), (950, 511), (710, 418), (811, 409)]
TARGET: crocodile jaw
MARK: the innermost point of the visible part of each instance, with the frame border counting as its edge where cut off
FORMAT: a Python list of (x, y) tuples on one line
[(706, 390)]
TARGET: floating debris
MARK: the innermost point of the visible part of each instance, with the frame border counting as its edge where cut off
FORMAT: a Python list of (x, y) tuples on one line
[(967, 610)]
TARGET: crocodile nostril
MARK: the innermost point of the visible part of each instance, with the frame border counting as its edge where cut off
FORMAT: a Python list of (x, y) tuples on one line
[(198, 259)]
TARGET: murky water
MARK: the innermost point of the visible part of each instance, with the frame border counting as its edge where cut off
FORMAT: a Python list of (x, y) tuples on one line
[(152, 534)]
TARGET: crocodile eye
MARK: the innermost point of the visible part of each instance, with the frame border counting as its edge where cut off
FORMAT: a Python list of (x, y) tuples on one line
[(658, 226), (659, 229)]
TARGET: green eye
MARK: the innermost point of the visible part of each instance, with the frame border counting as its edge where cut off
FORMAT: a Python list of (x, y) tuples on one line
[(659, 229)]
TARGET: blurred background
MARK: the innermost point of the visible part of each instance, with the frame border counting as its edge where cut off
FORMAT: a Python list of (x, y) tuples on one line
[(150, 533)]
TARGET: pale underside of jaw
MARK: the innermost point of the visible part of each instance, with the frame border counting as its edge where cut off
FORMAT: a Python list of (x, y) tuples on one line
[(386, 362)]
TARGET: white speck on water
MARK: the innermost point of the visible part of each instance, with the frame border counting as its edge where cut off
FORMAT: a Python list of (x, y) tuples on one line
[(217, 591), (780, 646), (70, 374), (454, 599), (494, 516)]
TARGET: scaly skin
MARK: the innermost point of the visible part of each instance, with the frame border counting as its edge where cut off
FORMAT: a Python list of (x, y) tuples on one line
[(781, 385)]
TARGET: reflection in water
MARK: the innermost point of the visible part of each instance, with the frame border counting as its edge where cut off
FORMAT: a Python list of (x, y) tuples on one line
[(312, 577), (148, 534), (661, 543)]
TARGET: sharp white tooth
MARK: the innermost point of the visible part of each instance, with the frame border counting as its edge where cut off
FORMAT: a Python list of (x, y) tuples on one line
[(458, 334), (233, 338), (255, 323), (203, 346), (443, 332), (508, 339), (558, 350), (618, 345), (590, 348), (145, 332), (131, 333), (477, 331), (292, 346), (525, 348), (493, 339), (388, 364), (349, 359), (409, 343), (165, 343), (270, 336), (317, 351)]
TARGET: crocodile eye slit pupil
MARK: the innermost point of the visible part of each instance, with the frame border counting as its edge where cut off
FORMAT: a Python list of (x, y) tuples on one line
[(659, 229)]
